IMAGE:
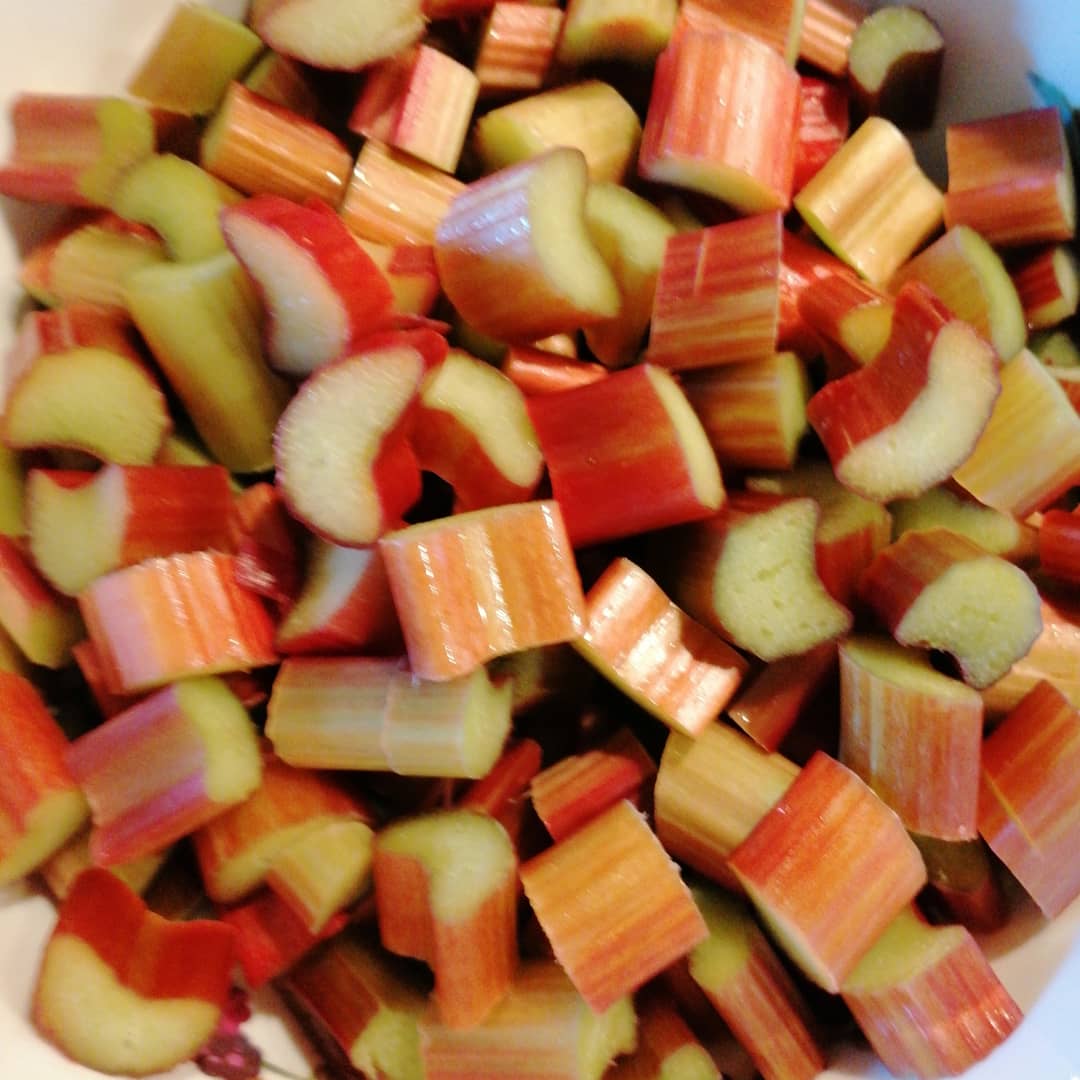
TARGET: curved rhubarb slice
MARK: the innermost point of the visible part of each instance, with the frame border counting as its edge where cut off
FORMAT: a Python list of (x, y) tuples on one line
[(912, 734), (344, 465), (928, 1000), (320, 289), (903, 423), (937, 590), (828, 868), (514, 254), (329, 34), (165, 767), (749, 574), (41, 806), (446, 893), (123, 990), (670, 665)]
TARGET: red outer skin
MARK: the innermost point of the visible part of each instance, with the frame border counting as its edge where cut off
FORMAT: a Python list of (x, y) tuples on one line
[(271, 937), (826, 303), (1059, 545), (824, 123), (801, 264), (537, 372), (503, 793), (22, 589), (157, 958), (86, 656), (849, 410), (614, 460), (265, 537), (319, 234), (376, 113), (32, 748), (841, 561)]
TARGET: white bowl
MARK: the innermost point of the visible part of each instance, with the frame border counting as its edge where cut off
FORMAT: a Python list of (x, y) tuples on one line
[(91, 45)]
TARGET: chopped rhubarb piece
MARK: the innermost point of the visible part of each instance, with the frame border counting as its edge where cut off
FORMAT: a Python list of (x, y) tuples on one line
[(327, 34), (997, 532), (613, 906), (882, 425), (446, 893), (577, 788), (475, 586), (343, 606), (263, 148), (267, 545), (535, 372), (173, 617), (542, 1028), (718, 295), (1059, 545), (670, 665), (90, 667), (1018, 466), (710, 793), (827, 29), (631, 235), (754, 413), (344, 466), (71, 149), (410, 272), (41, 806), (285, 82), (965, 273), (365, 713), (631, 30), (828, 867), (634, 430), (928, 1000), (870, 203), (773, 701), (722, 120), (239, 846), (122, 515), (164, 767), (123, 990), (824, 124), (962, 875), (938, 590), (392, 199), (851, 530), (517, 46), (62, 869), (589, 116), (667, 1046), (198, 52), (748, 573), (912, 734), (420, 102), (1048, 284), (524, 283), (321, 291), (201, 321), (850, 314), (42, 624), (503, 791), (802, 264), (1010, 178), (749, 987), (777, 23), (472, 428), (271, 937), (894, 66), (1029, 805)]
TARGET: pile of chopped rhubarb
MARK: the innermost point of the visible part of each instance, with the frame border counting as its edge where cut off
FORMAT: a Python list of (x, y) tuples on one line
[(540, 533)]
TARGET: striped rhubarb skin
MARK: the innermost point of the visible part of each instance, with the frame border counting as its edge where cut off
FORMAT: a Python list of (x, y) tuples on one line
[(802, 263), (1010, 178), (717, 295), (1017, 466), (517, 46), (722, 120), (827, 29), (503, 792), (613, 905), (927, 999), (827, 868), (912, 734), (776, 23), (1029, 804), (480, 585), (749, 987), (824, 124), (173, 617), (1048, 284), (636, 637), (262, 148), (391, 199), (850, 314)]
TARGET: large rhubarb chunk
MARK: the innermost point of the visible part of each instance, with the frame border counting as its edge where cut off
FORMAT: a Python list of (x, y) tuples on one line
[(123, 990)]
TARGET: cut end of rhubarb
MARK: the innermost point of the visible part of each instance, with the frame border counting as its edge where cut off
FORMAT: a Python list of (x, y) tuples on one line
[(48, 826)]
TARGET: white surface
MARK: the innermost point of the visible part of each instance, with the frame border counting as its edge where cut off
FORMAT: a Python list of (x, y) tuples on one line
[(50, 45)]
